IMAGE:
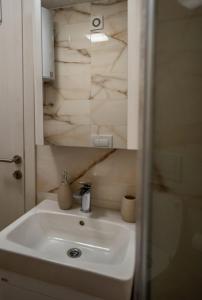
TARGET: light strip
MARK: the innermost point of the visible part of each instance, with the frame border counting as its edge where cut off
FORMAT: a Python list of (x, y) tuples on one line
[(97, 37)]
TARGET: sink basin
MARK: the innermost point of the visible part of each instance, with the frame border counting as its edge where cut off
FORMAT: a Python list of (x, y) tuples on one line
[(99, 243), (52, 235)]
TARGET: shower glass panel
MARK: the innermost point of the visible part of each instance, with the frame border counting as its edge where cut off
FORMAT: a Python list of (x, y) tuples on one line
[(175, 229)]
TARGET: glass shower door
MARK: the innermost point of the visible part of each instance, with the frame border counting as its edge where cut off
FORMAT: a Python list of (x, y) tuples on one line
[(173, 263)]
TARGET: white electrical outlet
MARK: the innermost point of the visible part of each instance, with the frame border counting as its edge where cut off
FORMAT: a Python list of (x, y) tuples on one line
[(102, 141)]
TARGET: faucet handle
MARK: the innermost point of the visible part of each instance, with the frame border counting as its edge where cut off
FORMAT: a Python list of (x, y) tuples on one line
[(85, 187), (86, 184)]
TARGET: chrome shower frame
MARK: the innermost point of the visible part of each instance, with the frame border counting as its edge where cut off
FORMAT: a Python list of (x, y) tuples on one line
[(141, 281)]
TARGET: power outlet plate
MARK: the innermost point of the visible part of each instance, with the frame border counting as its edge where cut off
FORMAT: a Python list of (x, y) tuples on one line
[(102, 141)]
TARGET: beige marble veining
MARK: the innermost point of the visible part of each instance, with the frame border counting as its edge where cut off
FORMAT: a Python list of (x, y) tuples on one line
[(90, 91), (112, 172), (104, 112), (79, 135), (106, 2), (107, 87), (89, 96), (73, 14), (66, 55)]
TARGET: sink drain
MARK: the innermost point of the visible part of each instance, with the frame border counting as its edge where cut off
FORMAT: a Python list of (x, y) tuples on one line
[(74, 253)]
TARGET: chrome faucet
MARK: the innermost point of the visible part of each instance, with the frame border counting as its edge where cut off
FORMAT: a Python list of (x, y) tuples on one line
[(84, 195)]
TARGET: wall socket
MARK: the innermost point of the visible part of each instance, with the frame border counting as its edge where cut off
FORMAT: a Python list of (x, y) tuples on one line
[(102, 141)]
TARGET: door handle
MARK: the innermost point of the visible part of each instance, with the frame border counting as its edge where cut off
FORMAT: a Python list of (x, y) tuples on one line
[(17, 159)]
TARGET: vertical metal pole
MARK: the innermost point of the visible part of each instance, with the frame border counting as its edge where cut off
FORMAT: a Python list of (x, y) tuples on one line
[(141, 283)]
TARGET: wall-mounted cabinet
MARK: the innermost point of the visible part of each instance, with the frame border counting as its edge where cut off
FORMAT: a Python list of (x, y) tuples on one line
[(93, 100)]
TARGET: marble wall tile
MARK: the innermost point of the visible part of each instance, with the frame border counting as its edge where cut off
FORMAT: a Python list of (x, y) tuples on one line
[(75, 35), (88, 97), (108, 7), (107, 87), (52, 160), (72, 54), (116, 166), (74, 112), (112, 172), (104, 112), (75, 56), (69, 69), (62, 133), (106, 57), (109, 58), (73, 14), (73, 86), (87, 71), (74, 108)]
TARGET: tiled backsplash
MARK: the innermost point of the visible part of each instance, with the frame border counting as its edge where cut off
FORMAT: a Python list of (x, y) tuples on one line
[(89, 95), (112, 172)]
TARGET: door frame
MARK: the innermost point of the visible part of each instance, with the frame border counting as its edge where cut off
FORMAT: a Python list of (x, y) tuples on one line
[(29, 107)]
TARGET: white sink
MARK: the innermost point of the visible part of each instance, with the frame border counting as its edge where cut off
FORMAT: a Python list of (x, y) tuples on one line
[(105, 242)]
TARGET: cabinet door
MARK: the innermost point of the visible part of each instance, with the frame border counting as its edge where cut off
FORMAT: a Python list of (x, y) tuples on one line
[(9, 292)]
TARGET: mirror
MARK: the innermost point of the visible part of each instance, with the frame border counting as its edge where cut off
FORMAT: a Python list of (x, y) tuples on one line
[(85, 74)]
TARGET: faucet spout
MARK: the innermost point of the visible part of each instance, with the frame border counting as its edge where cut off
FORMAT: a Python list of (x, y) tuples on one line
[(85, 194)]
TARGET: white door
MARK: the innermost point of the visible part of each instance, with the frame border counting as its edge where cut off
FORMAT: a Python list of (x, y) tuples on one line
[(11, 110)]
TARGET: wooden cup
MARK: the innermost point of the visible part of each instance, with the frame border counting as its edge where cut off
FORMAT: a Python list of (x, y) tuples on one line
[(128, 205)]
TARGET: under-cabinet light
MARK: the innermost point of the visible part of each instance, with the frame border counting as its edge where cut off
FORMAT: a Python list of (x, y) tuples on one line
[(97, 37)]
